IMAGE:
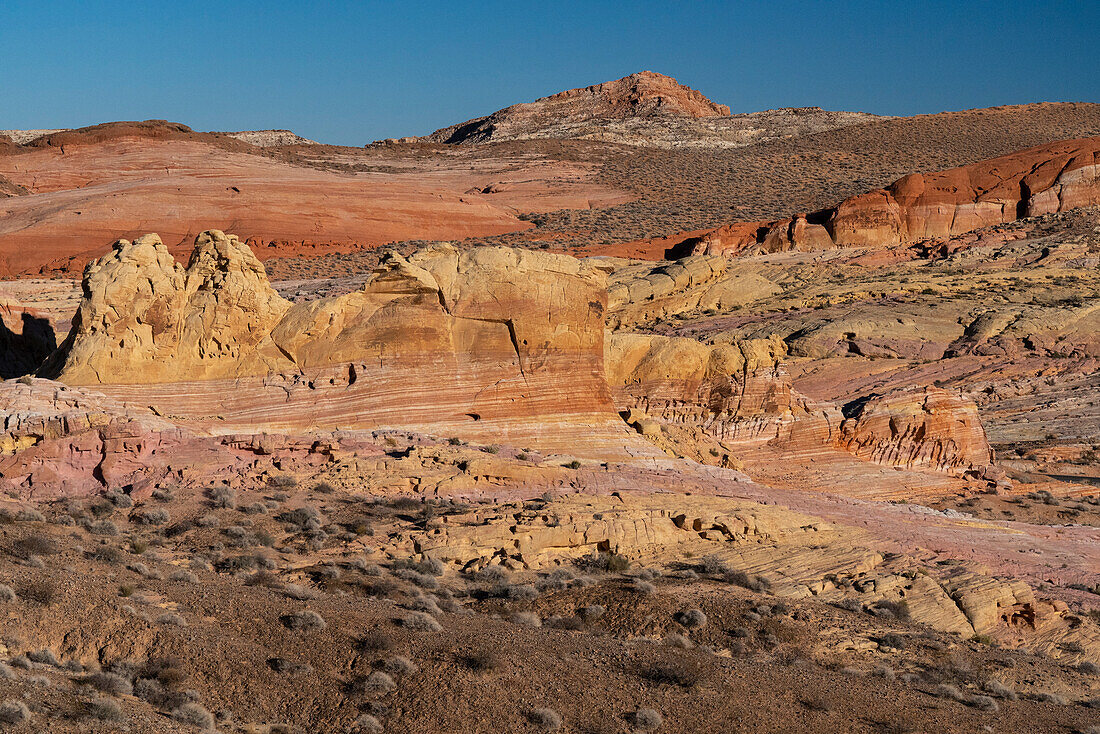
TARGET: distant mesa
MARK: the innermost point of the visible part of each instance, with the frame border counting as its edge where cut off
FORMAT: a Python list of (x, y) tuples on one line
[(156, 129)]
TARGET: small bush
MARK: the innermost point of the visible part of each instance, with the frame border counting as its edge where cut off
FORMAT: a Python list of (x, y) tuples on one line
[(14, 712), (304, 620), (693, 619), (644, 587), (282, 481), (43, 593), (183, 577), (7, 593), (110, 683), (547, 720), (103, 527), (685, 673), (592, 612), (399, 665), (647, 720), (173, 620), (377, 683), (151, 516), (35, 545), (528, 619), (367, 724), (1000, 690), (104, 709), (193, 714), (305, 518), (44, 656), (222, 496), (421, 622)]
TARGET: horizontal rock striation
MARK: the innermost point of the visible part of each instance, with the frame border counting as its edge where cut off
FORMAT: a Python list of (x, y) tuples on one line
[(917, 428), (1045, 179), (491, 344), (732, 392)]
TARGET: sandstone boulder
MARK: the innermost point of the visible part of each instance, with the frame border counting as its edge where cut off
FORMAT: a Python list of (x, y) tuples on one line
[(917, 428)]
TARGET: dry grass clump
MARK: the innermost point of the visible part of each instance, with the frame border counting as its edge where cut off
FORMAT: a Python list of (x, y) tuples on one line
[(647, 720), (421, 622), (693, 619), (306, 620), (547, 720), (104, 709), (14, 712), (194, 714)]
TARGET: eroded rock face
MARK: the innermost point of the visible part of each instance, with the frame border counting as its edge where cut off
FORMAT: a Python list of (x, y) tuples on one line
[(1040, 180), (917, 428), (145, 318), (491, 343), (732, 392)]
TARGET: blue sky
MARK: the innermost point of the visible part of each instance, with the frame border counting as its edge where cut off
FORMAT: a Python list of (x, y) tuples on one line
[(352, 72)]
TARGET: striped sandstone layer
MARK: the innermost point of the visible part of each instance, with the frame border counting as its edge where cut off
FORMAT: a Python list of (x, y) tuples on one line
[(493, 345)]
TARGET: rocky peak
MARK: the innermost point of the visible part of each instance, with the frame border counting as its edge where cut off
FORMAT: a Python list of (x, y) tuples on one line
[(640, 94)]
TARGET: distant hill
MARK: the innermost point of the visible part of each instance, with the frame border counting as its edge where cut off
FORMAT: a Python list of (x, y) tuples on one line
[(645, 109)]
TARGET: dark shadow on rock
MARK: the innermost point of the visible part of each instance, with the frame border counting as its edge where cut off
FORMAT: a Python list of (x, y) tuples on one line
[(22, 353)]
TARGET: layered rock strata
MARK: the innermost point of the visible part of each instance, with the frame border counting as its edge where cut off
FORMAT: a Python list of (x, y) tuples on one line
[(494, 344), (1045, 179)]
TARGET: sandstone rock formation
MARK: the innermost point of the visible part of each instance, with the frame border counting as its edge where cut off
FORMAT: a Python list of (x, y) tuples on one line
[(732, 392), (928, 427), (1040, 180), (493, 343)]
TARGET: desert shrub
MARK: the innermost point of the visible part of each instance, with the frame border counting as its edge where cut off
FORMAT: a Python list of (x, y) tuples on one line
[(299, 592), (693, 619), (367, 724), (644, 587), (399, 665), (35, 545), (104, 709), (519, 592), (164, 494), (950, 691), (375, 640), (592, 612), (40, 680), (377, 683), (193, 714), (748, 581), (647, 720), (6, 672), (894, 640), (183, 577), (422, 580), (482, 661), (305, 518), (151, 516), (40, 592), (528, 619), (494, 575), (254, 508), (208, 520), (282, 481), (1000, 690), (1050, 697), (984, 703), (304, 620), (1088, 668), (7, 593), (44, 656), (171, 619), (547, 720), (222, 496), (30, 514), (14, 712), (431, 566), (682, 672), (421, 622), (675, 639), (103, 527), (574, 464), (110, 683)]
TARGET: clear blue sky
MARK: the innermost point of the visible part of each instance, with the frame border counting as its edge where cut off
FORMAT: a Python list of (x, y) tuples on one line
[(352, 72)]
